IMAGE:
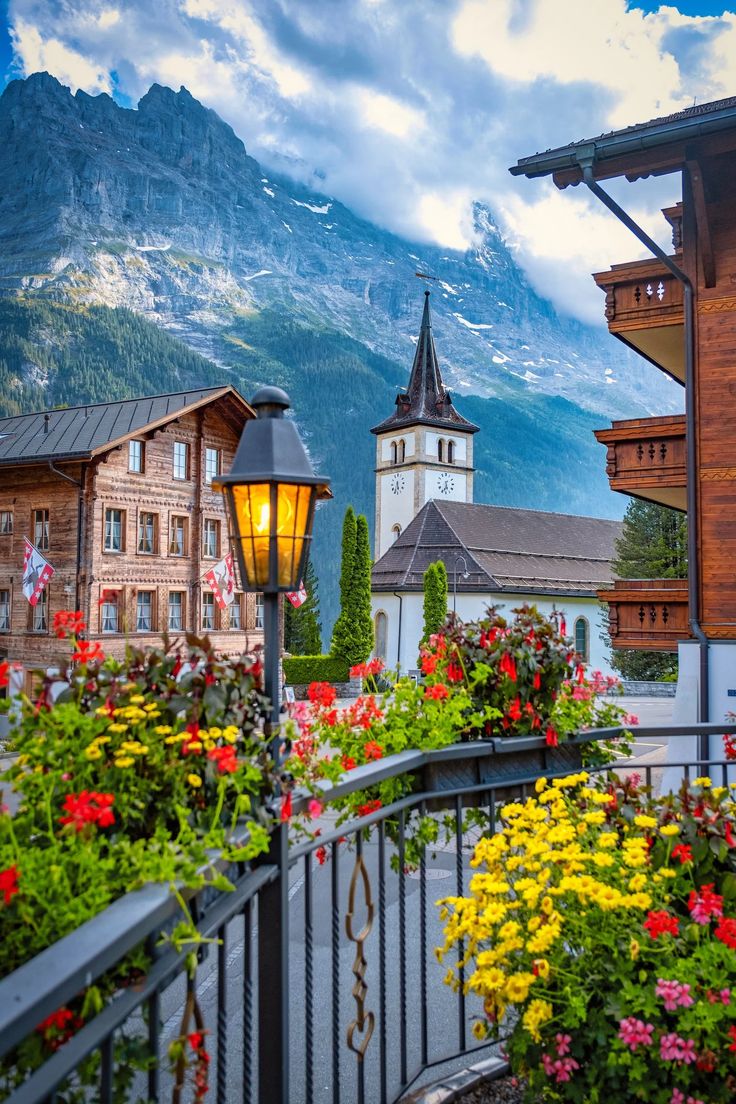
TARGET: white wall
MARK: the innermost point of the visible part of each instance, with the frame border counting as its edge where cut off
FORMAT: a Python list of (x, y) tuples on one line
[(431, 440), (437, 485), (408, 439), (396, 507), (472, 606)]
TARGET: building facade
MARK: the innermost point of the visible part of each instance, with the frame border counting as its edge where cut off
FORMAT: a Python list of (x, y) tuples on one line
[(678, 310), (494, 556), (118, 498)]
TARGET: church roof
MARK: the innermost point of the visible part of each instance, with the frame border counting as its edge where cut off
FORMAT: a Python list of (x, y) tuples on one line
[(426, 400), (506, 550)]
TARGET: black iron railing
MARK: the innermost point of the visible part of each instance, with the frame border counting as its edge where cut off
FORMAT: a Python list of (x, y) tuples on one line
[(359, 1012)]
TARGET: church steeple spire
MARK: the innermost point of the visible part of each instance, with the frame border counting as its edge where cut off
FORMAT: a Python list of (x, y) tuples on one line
[(426, 401)]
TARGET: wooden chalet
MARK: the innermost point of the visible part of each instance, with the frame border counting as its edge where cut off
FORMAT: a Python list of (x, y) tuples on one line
[(118, 498), (678, 310)]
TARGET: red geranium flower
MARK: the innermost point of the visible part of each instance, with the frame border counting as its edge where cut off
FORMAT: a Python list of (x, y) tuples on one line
[(454, 672), (286, 807), (4, 673), (537, 681), (67, 623), (87, 652), (225, 759), (515, 709), (9, 883), (551, 737), (659, 922), (348, 763), (683, 852), (88, 807), (507, 666), (369, 807), (429, 663), (322, 693), (373, 750), (726, 931), (439, 692)]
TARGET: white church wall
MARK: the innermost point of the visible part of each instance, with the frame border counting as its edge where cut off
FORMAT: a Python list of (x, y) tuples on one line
[(459, 444), (446, 484), (404, 653), (397, 505), (409, 445)]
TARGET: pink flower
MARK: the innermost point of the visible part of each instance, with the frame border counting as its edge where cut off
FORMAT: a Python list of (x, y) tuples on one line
[(563, 1044), (673, 993), (631, 719), (674, 1049), (560, 1068), (677, 1097), (705, 904), (635, 1033), (315, 808)]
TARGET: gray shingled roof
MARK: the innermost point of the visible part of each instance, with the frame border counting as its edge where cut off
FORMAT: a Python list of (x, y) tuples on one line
[(80, 432), (518, 551), (426, 401)]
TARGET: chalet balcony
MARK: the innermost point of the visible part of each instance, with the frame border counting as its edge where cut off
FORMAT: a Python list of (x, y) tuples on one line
[(646, 458), (644, 309), (648, 614)]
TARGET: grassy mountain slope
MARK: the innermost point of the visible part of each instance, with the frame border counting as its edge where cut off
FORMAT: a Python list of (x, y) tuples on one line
[(537, 452)]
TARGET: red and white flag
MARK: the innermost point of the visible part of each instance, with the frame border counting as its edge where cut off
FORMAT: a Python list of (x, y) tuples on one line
[(221, 578), (297, 597), (36, 572)]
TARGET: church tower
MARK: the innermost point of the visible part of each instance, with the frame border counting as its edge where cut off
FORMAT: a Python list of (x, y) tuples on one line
[(424, 450)]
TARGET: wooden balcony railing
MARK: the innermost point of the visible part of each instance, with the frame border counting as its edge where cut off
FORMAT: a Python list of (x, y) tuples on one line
[(648, 614), (644, 308), (646, 458)]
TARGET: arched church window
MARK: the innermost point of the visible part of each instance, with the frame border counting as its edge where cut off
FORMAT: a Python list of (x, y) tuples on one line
[(450, 452), (402, 451), (440, 450), (381, 629), (396, 530), (582, 638), (394, 452)]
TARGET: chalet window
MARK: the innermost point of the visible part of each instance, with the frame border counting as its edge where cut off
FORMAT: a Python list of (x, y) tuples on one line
[(450, 452), (40, 613), (114, 530), (135, 457), (210, 538), (582, 638), (144, 611), (41, 529), (176, 610), (235, 611), (259, 611), (440, 450), (6, 522), (4, 611), (178, 536), (208, 611), (211, 464), (147, 533), (181, 460), (110, 612)]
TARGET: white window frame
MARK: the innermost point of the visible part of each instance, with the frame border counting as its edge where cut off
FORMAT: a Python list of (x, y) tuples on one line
[(135, 457), (144, 536), (211, 464), (208, 606), (237, 604), (41, 529), (144, 611), (259, 611), (40, 613), (177, 607), (210, 527), (173, 529), (109, 605), (6, 523), (109, 534), (181, 460), (6, 610)]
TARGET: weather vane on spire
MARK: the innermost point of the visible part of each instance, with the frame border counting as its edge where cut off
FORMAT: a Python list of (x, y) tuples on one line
[(425, 276)]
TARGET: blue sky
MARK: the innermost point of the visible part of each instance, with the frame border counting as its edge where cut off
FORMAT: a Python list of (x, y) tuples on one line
[(410, 110)]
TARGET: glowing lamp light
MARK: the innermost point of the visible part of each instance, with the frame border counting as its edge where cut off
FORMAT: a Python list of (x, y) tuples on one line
[(270, 495)]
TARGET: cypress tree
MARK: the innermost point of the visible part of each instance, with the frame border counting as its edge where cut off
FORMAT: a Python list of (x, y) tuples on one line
[(361, 600), (341, 632), (652, 545), (302, 628), (435, 599)]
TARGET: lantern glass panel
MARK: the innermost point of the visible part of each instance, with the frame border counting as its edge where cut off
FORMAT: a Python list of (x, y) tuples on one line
[(255, 528)]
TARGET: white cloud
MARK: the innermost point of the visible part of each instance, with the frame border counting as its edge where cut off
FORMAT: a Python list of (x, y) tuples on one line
[(389, 114), (603, 43), (447, 218), (37, 54)]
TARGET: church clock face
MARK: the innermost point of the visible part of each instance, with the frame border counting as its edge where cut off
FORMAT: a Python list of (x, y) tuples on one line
[(445, 483), (397, 484)]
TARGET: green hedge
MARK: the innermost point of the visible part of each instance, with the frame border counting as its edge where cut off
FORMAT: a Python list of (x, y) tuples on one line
[(300, 670)]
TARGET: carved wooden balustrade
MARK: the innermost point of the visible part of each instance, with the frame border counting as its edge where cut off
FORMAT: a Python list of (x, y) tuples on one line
[(646, 458), (644, 308), (648, 614)]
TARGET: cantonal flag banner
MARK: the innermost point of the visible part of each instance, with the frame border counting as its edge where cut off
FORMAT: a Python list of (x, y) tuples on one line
[(36, 572), (297, 597), (221, 578)]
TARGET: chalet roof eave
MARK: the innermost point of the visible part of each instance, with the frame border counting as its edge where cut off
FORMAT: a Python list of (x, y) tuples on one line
[(639, 138), (434, 423)]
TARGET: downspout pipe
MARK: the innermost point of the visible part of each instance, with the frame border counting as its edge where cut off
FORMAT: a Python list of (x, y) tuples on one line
[(693, 576), (398, 645), (79, 485)]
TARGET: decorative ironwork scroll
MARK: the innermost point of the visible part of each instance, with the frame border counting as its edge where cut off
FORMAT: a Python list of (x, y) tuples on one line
[(364, 1022)]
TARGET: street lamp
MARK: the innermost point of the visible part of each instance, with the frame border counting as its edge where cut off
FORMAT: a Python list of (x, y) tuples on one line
[(454, 579), (270, 494)]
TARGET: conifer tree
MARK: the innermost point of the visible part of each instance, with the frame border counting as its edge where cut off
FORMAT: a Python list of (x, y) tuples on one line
[(652, 545), (362, 592), (341, 632), (302, 628), (435, 599)]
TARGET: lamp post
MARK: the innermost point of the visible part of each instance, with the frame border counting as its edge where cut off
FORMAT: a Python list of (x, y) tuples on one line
[(270, 494), (454, 579)]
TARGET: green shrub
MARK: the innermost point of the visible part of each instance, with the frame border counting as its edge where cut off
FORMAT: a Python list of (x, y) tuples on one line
[(301, 670)]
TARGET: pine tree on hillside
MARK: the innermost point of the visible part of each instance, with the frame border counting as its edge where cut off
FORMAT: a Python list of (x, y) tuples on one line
[(652, 545), (435, 599), (341, 633), (302, 628)]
